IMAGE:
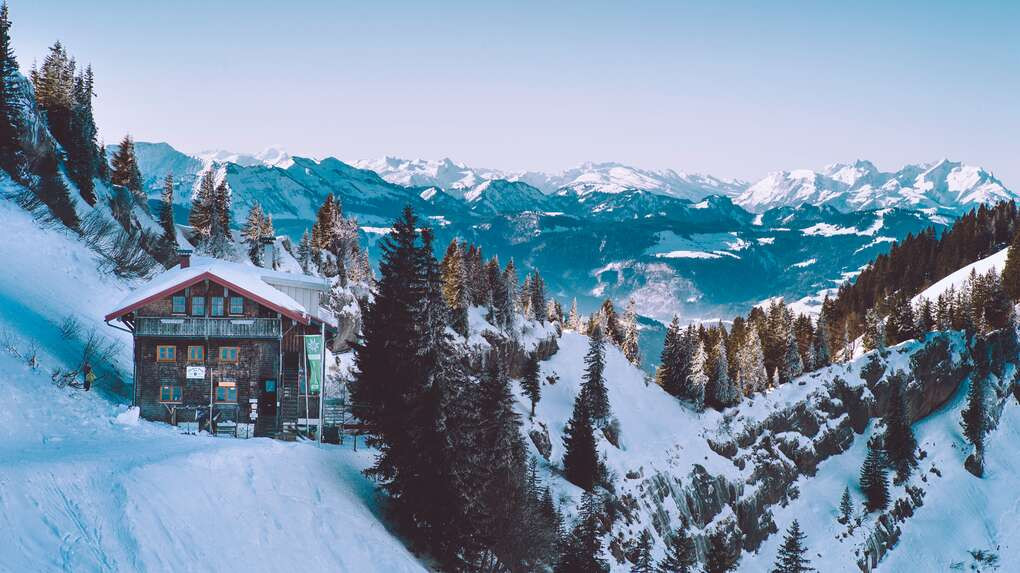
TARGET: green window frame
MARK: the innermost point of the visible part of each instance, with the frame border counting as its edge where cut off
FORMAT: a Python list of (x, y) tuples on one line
[(180, 304), (198, 306), (226, 392), (236, 305), (196, 354)]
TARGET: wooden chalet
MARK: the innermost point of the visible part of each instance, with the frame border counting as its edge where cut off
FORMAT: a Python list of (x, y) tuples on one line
[(218, 346)]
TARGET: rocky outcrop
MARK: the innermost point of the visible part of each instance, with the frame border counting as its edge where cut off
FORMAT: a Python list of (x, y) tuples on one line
[(512, 351)]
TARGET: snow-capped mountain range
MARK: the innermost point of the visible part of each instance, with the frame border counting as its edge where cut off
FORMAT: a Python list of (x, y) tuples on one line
[(943, 186)]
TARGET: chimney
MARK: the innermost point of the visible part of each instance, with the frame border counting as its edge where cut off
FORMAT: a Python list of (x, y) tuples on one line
[(184, 256)]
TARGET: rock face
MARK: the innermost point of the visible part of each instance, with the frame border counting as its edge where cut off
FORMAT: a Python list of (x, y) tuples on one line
[(511, 350), (774, 452)]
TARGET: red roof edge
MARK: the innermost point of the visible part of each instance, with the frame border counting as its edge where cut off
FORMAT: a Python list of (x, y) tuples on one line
[(300, 317)]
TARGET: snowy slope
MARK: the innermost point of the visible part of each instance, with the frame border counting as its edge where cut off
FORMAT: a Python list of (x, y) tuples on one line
[(958, 278), (85, 486), (944, 186)]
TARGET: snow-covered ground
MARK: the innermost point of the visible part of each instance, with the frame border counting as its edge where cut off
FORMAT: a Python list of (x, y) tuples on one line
[(958, 278), (86, 486)]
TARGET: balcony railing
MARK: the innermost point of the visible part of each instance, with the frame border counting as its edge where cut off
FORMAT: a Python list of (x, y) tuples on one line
[(192, 327)]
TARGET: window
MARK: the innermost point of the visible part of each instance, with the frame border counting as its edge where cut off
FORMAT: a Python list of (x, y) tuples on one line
[(226, 392), (270, 385), (169, 393), (180, 304), (198, 306), (228, 354), (216, 306), (196, 354), (166, 353), (236, 305)]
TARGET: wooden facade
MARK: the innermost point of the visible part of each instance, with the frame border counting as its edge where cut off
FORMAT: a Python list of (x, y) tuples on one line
[(212, 358)]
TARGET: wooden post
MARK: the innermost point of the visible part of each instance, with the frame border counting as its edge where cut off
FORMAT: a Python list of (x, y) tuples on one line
[(322, 383)]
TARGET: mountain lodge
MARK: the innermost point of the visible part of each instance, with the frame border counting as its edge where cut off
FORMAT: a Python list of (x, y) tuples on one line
[(220, 346)]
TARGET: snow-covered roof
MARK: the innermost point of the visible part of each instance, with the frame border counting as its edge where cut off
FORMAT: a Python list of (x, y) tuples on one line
[(249, 280)]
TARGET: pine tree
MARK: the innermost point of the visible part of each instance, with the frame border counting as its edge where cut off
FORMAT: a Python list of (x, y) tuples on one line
[(455, 287), (12, 157), (613, 331), (680, 554), (900, 444), (643, 561), (201, 216), (874, 482), (502, 307), (975, 414), (791, 555), (630, 335), (593, 386), (580, 457), (530, 383), (751, 363), (823, 353), (846, 507), (721, 558), (792, 365), (1011, 270), (304, 253), (574, 319), (726, 391), (510, 279), (166, 211), (538, 297), (671, 373), (874, 331), (697, 379), (583, 548), (252, 235), (125, 170)]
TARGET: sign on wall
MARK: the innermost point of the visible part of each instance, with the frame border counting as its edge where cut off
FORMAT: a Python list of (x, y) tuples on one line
[(313, 353), (195, 372)]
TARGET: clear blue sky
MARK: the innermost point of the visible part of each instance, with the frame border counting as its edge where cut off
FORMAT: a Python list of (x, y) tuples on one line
[(734, 90)]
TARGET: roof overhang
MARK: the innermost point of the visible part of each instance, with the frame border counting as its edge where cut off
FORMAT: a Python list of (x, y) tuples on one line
[(300, 317)]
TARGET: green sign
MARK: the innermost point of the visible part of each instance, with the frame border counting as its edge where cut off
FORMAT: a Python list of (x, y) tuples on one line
[(313, 353)]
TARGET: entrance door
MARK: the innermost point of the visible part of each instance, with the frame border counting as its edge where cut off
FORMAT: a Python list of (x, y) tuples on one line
[(267, 407)]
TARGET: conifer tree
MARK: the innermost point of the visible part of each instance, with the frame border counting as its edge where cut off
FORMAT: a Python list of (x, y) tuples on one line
[(200, 216), (671, 374), (593, 386), (538, 297), (583, 548), (874, 331), (726, 391), (751, 363), (899, 441), (721, 558), (304, 253), (455, 287), (574, 319), (643, 561), (12, 157), (1011, 270), (823, 354), (975, 414), (874, 482), (251, 234), (530, 383), (791, 365), (502, 304), (611, 323), (580, 457), (510, 279), (680, 554), (125, 170), (166, 211), (846, 507), (925, 317), (630, 335), (791, 557), (697, 379)]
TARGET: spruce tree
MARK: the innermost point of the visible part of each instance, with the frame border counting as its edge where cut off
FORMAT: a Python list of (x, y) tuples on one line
[(166, 211), (846, 507), (697, 379), (726, 391), (125, 170), (823, 354), (1011, 270), (455, 287), (874, 331), (304, 253), (975, 414), (582, 552), (251, 234), (502, 306), (900, 444), (538, 297), (751, 363), (680, 554), (12, 157), (530, 383), (580, 457), (593, 385), (574, 319), (630, 346), (792, 365), (874, 482), (721, 557), (671, 374), (791, 557), (643, 560), (613, 330)]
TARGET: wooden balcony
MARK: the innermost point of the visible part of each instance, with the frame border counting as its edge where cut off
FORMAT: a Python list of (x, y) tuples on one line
[(199, 327)]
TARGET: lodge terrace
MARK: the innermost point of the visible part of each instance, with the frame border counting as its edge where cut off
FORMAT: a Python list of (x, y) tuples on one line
[(221, 346)]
